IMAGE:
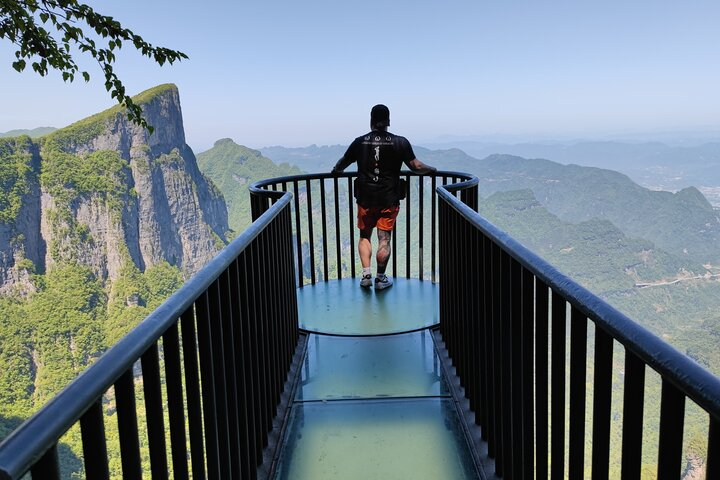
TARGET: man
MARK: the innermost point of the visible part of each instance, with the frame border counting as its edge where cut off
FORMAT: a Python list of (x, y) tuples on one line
[(378, 189)]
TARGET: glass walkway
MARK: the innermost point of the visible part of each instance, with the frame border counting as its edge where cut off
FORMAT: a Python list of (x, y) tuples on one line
[(372, 400)]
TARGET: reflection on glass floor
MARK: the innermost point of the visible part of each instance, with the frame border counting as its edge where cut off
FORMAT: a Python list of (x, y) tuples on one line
[(383, 439), (394, 366), (373, 407), (341, 307)]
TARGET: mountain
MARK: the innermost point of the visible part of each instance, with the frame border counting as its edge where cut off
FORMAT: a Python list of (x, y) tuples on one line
[(654, 165), (310, 159), (103, 192), (233, 168), (594, 252), (682, 223), (34, 133), (100, 222), (323, 158)]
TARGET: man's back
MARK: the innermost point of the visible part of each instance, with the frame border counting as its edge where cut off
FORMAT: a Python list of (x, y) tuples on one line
[(380, 156)]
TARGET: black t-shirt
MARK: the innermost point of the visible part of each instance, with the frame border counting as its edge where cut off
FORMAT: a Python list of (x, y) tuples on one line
[(379, 156)]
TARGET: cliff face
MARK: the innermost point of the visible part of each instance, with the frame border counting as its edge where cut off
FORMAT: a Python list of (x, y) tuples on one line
[(21, 244), (104, 192)]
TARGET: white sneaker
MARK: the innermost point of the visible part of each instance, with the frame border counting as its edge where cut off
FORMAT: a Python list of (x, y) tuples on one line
[(366, 281), (382, 281)]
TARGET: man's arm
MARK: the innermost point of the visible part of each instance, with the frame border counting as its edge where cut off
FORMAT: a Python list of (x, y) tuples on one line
[(341, 164), (347, 159), (419, 167)]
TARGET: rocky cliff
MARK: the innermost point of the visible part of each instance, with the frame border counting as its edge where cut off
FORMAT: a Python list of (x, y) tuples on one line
[(104, 192)]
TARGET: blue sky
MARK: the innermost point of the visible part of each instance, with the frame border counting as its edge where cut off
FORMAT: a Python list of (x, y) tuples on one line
[(282, 72)]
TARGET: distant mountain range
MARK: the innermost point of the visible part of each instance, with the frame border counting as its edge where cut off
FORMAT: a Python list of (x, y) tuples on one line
[(34, 133), (684, 223), (654, 165)]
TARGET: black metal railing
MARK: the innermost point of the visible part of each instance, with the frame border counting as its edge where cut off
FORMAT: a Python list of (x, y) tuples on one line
[(324, 224), (504, 314), (220, 347)]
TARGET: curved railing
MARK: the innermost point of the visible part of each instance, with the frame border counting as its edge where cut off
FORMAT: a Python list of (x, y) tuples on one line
[(504, 311), (324, 223), (226, 345)]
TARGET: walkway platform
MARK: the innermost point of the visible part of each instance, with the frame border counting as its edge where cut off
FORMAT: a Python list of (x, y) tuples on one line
[(372, 400)]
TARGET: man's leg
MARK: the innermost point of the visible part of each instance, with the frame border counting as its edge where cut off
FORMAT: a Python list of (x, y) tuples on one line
[(365, 247), (365, 251), (384, 250)]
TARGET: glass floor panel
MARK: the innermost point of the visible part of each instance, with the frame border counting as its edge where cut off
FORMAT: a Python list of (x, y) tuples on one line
[(403, 365), (388, 439), (341, 307)]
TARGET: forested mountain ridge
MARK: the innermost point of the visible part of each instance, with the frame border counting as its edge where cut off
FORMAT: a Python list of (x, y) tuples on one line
[(33, 133), (233, 168), (103, 191), (100, 222), (682, 223)]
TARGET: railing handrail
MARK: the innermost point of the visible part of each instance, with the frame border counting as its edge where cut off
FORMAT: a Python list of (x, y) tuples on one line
[(326, 255), (26, 444), (257, 187), (699, 384)]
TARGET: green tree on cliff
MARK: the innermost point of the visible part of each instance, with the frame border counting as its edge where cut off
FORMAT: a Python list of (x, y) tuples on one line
[(47, 34)]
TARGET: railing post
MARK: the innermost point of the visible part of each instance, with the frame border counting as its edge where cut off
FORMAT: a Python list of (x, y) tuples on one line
[(528, 367), (488, 416), (633, 406), (192, 388), (557, 409), (92, 428), (127, 426), (602, 398), (495, 443), (154, 412), (48, 467), (578, 390), (672, 416), (176, 414), (542, 341), (713, 455)]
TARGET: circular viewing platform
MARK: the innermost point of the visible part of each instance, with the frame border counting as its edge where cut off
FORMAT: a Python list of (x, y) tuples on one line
[(342, 307)]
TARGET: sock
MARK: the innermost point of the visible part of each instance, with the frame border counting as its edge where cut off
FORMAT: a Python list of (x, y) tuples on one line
[(366, 271)]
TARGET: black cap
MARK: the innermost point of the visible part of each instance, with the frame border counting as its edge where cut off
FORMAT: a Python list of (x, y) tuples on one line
[(380, 116)]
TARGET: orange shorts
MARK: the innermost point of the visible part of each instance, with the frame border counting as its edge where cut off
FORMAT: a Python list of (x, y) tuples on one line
[(382, 218)]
